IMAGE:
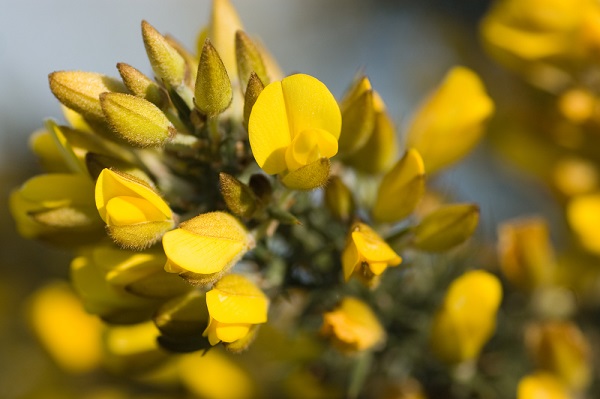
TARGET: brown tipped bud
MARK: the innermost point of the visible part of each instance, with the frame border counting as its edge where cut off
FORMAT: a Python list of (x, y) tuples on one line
[(166, 62), (248, 60), (213, 92), (261, 187)]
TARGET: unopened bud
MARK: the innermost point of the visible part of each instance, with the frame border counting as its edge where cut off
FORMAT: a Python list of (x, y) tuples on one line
[(166, 62), (239, 197), (249, 60), (339, 199), (446, 227), (213, 92), (141, 85)]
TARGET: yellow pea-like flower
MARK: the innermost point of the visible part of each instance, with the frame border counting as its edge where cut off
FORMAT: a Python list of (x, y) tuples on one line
[(236, 307), (466, 319), (204, 248), (135, 215), (367, 255), (451, 121), (352, 326), (71, 336), (293, 129), (560, 348), (526, 253), (541, 385)]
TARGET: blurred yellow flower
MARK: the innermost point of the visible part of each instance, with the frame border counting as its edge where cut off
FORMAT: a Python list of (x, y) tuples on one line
[(541, 385), (236, 307), (467, 318), (451, 121), (203, 248), (135, 215), (294, 129), (65, 329), (560, 348), (215, 376), (526, 253), (583, 214), (367, 255), (352, 326)]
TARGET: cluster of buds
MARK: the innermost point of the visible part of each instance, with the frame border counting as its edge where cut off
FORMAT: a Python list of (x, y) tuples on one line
[(162, 187)]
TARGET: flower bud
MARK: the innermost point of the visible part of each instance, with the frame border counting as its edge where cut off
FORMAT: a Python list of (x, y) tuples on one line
[(204, 248), (526, 254), (451, 121), (138, 121), (367, 255), (71, 336), (541, 385), (401, 189), (239, 198), (446, 227), (58, 208), (353, 327), (166, 62), (261, 187), (358, 116), (141, 85), (381, 149), (249, 60), (466, 319), (135, 215), (339, 199), (81, 91), (224, 23), (560, 348), (213, 92), (255, 87), (236, 306)]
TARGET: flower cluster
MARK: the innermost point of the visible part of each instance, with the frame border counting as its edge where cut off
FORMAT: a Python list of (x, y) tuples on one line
[(224, 207)]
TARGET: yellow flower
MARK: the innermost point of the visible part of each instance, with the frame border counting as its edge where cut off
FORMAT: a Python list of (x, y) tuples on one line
[(467, 318), (294, 129), (135, 215), (559, 347), (451, 121), (204, 248), (236, 306), (541, 385), (367, 255), (353, 326), (67, 332), (526, 254), (58, 208), (221, 377), (583, 214)]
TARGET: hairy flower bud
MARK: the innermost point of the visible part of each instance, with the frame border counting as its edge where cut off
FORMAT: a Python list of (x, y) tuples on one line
[(166, 62)]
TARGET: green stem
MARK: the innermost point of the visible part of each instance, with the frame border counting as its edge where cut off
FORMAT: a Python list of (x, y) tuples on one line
[(359, 374), (214, 134)]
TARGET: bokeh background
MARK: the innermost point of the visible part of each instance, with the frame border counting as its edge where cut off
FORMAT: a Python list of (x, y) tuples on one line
[(405, 47)]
